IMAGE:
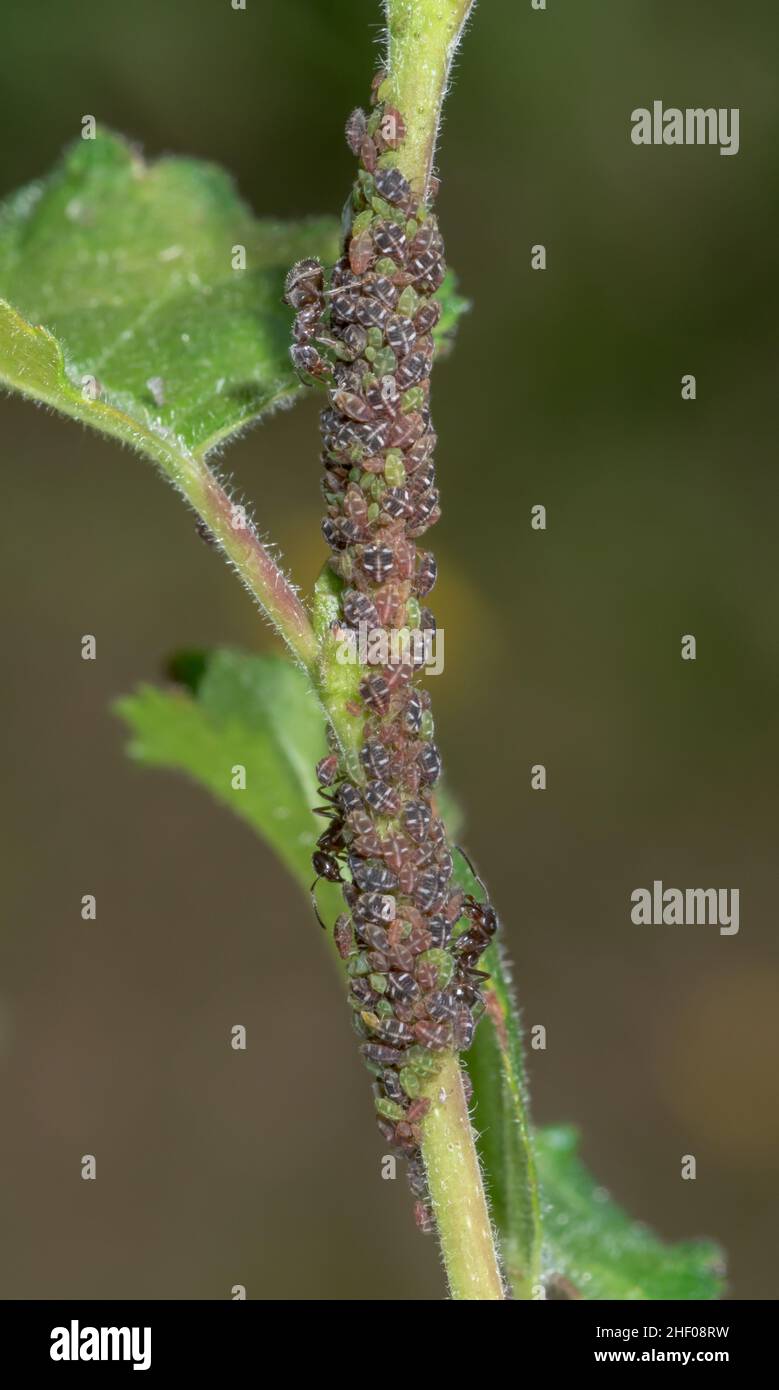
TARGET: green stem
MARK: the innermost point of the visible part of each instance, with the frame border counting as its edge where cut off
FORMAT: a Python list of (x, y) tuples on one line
[(422, 39), (457, 1190)]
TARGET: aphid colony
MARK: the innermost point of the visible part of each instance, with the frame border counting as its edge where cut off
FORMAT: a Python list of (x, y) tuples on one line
[(365, 334)]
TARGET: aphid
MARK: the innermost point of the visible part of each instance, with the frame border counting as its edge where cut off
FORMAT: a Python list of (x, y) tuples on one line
[(356, 129), (361, 248), (378, 562), (440, 1005), (392, 186), (416, 818), (361, 994), (429, 760), (376, 693), (392, 1087), (373, 935), (351, 405), (412, 714), (426, 574), (333, 534), (392, 1031), (371, 313), (440, 930), (205, 533), (374, 436), (326, 770), (375, 758), (397, 503), (400, 334), (356, 338), (412, 370), (368, 154), (404, 429), (392, 128), (304, 283), (402, 985), (417, 1178), (349, 798), (344, 307), (428, 891), (388, 238), (371, 875), (427, 238), (358, 608), (366, 836), (382, 1055), (435, 1037), (381, 797), (463, 1028), (427, 316), (375, 907), (344, 936), (381, 287), (417, 1109), (425, 508), (399, 676)]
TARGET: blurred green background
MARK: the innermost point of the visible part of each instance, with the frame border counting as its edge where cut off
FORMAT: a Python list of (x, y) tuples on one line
[(263, 1168)]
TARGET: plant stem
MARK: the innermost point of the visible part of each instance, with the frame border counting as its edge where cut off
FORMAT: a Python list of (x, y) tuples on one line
[(235, 534), (422, 39), (457, 1190)]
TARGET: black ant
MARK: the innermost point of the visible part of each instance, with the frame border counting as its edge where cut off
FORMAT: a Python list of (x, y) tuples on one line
[(326, 866)]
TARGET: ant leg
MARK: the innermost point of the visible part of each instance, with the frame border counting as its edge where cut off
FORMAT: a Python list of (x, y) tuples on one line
[(322, 924)]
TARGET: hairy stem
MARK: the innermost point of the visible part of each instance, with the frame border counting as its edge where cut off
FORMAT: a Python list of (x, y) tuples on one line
[(235, 534), (457, 1191), (422, 39)]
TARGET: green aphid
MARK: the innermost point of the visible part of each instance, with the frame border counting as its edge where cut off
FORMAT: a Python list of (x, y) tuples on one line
[(387, 160), (427, 725), (383, 209), (362, 221), (385, 362), (345, 566), (369, 353), (332, 498), (408, 302), (368, 379), (404, 930), (374, 121), (412, 227), (413, 609), (442, 963), (378, 982), (384, 90), (373, 1067), (358, 965), (383, 1008), (355, 474), (373, 512), (411, 1081), (413, 399), (370, 1019), (377, 488), (375, 337), (343, 352), (386, 266), (389, 1109), (394, 468), (423, 1061)]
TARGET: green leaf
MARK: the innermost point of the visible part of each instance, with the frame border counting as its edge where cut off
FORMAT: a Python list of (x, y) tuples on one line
[(121, 271), (557, 1227), (598, 1250)]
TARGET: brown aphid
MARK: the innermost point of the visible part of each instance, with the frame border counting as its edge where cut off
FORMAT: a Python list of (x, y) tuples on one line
[(427, 316), (427, 573), (377, 562), (436, 1037), (326, 770), (353, 406), (376, 693), (356, 129), (382, 798), (368, 156), (392, 128), (361, 252), (417, 1110), (344, 937), (383, 1055), (376, 81), (404, 429)]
